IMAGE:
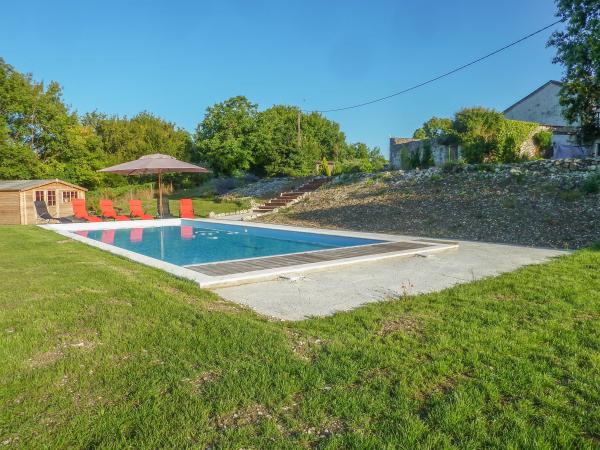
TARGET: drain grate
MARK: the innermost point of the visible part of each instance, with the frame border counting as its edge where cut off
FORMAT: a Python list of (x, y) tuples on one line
[(274, 262)]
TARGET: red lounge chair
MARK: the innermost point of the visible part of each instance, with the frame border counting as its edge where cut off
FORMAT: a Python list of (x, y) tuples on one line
[(108, 236), (186, 210), (108, 212), (187, 232), (136, 235), (80, 211), (135, 207)]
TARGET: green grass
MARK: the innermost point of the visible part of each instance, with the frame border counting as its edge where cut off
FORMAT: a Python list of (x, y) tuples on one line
[(202, 206), (98, 351)]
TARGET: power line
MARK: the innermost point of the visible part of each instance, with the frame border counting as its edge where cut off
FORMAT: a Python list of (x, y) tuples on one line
[(439, 77)]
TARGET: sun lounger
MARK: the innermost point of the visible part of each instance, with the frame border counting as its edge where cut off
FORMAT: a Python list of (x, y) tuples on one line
[(137, 211), (80, 211), (41, 208), (108, 211), (186, 210)]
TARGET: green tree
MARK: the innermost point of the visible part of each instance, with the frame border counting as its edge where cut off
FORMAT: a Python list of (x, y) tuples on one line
[(276, 147), (477, 130), (578, 50), (224, 139), (435, 128), (323, 133), (106, 140), (358, 157), (124, 139), (33, 123)]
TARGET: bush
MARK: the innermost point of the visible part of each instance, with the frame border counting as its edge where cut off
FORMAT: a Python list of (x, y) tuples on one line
[(591, 184), (325, 169), (355, 166), (484, 167), (454, 166), (513, 133), (486, 135), (426, 157), (543, 141)]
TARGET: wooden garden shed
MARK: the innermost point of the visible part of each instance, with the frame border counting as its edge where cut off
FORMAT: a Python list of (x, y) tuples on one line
[(17, 197)]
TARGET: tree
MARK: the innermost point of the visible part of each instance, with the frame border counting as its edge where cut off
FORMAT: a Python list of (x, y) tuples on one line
[(435, 128), (276, 147), (224, 137), (324, 133), (578, 50), (477, 130), (33, 124)]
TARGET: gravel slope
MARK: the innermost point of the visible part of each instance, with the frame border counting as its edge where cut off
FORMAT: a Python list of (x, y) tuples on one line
[(510, 207)]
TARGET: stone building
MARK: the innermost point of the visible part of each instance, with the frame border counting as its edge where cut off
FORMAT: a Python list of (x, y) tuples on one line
[(401, 150), (540, 106), (543, 106)]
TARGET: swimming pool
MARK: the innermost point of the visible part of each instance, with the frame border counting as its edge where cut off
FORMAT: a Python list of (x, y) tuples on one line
[(192, 242), (217, 253)]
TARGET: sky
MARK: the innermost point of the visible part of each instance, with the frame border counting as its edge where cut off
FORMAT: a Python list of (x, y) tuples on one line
[(175, 58)]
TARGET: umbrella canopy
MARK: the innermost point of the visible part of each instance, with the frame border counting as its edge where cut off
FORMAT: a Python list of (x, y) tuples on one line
[(155, 163)]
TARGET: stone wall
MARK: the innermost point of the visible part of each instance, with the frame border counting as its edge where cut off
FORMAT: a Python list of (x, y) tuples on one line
[(401, 150), (569, 172)]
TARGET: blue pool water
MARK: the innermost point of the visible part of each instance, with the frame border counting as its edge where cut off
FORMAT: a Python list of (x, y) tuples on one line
[(197, 242)]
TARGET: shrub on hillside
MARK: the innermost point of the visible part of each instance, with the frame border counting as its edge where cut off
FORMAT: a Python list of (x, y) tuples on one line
[(454, 166), (543, 141), (591, 184)]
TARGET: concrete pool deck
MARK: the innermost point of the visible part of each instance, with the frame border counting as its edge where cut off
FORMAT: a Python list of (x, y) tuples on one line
[(328, 291), (328, 286)]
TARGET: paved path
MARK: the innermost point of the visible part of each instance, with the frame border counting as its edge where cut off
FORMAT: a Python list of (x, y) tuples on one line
[(325, 292)]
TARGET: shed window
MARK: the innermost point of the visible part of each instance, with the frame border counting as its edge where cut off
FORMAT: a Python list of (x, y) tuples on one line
[(39, 196), (67, 196), (51, 198)]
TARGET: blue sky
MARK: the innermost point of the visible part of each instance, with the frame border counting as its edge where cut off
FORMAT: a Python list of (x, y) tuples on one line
[(175, 58)]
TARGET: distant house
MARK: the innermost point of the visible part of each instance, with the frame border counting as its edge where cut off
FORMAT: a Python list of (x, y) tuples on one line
[(17, 197), (543, 106), (540, 106)]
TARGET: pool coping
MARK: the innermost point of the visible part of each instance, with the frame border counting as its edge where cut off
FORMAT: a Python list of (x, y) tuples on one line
[(207, 281)]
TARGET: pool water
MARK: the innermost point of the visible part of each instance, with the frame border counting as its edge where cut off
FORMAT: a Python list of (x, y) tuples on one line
[(198, 243)]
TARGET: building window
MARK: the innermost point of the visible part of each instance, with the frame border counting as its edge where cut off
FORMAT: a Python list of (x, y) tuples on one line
[(67, 196), (51, 198), (39, 196)]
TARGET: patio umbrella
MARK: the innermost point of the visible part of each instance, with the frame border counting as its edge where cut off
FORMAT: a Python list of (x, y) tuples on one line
[(156, 163)]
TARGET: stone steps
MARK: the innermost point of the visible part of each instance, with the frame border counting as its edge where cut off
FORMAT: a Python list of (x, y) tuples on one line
[(288, 198)]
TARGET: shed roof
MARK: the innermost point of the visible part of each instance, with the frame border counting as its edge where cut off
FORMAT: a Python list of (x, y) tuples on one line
[(24, 185)]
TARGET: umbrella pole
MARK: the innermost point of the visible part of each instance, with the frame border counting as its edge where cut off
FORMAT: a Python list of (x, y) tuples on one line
[(160, 203)]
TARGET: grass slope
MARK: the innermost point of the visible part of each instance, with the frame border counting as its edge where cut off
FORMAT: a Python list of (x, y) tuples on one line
[(100, 351)]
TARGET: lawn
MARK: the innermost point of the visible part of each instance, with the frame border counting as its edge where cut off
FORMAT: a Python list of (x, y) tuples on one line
[(98, 351), (203, 206)]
